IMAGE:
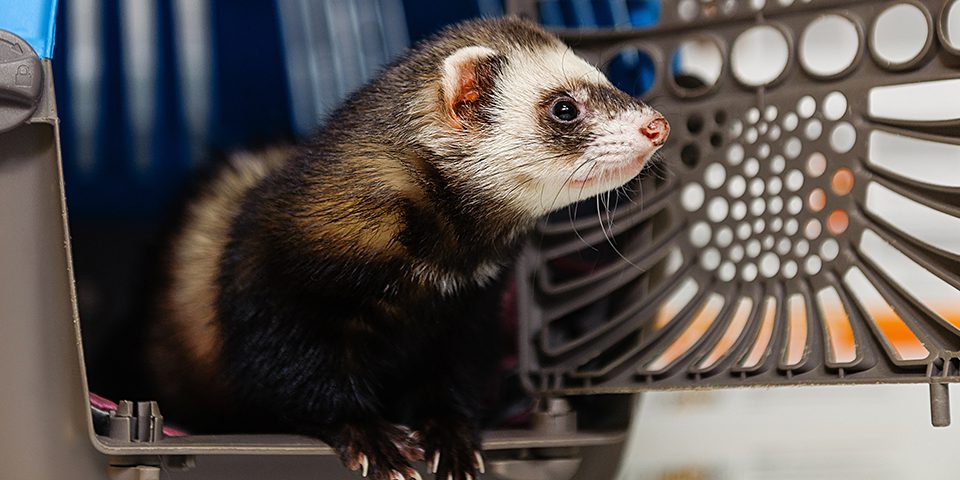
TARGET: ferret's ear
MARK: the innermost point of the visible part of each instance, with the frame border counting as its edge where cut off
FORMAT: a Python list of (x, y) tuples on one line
[(467, 78)]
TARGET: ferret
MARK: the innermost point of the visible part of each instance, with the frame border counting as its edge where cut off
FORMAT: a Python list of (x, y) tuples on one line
[(345, 287)]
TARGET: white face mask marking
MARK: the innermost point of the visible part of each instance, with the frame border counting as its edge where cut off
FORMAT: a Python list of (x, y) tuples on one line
[(511, 161)]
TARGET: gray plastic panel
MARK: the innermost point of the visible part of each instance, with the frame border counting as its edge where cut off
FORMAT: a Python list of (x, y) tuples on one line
[(801, 231)]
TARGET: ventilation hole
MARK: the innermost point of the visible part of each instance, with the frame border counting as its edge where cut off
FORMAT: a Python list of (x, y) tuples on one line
[(769, 265), (774, 185), (756, 187), (751, 167), (794, 205), (794, 180), (735, 154), (731, 334), (806, 107), (736, 128), (748, 272), (757, 206), (752, 116), (792, 148), (775, 205), (899, 35), (691, 335), (914, 218), (690, 155), (834, 106), (720, 117), (758, 350), (924, 286), (724, 237), (700, 234), (692, 197), (632, 70), (768, 241), (816, 164), (784, 246), (921, 160), (751, 135), (777, 164), (796, 330), (673, 262), (895, 332), (674, 304), (813, 229), (738, 211), (710, 259), (758, 226), (774, 133), (776, 224), (801, 248), (813, 129), (736, 186), (753, 248), (791, 227), (829, 45), (843, 137), (763, 151), (717, 209), (759, 55), (770, 113), (727, 271), (716, 140), (790, 269), (688, 10), (950, 25), (842, 181), (744, 231), (736, 253), (829, 249), (838, 221), (790, 121), (696, 65), (911, 101), (813, 265), (728, 6), (817, 200), (841, 345), (714, 176), (695, 124)]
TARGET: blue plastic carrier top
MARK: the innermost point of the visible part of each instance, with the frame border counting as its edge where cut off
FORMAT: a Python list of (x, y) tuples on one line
[(32, 20)]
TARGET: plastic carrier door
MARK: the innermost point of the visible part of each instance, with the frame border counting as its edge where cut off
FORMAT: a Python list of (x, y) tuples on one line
[(801, 226)]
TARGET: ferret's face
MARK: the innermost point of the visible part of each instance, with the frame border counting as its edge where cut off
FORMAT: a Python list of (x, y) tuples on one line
[(553, 129)]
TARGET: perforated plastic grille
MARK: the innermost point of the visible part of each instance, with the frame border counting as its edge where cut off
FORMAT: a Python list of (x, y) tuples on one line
[(803, 227)]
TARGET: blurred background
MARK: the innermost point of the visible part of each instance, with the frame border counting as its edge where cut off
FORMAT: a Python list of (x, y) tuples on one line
[(152, 92)]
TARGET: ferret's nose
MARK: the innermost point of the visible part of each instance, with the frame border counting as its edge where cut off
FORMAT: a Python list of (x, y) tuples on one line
[(657, 130)]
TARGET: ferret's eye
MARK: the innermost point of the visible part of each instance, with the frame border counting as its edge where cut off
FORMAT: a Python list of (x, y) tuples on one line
[(565, 111)]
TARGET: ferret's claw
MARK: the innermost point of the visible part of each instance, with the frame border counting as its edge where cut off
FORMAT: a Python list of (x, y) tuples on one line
[(480, 466), (436, 462), (364, 465), (416, 475)]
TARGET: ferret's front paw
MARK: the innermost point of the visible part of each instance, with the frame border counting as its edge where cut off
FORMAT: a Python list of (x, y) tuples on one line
[(453, 452), (381, 451)]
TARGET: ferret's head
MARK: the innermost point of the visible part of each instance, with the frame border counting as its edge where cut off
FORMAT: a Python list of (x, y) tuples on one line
[(531, 123)]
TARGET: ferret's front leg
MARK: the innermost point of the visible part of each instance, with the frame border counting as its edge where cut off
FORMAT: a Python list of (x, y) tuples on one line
[(376, 449), (453, 449)]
